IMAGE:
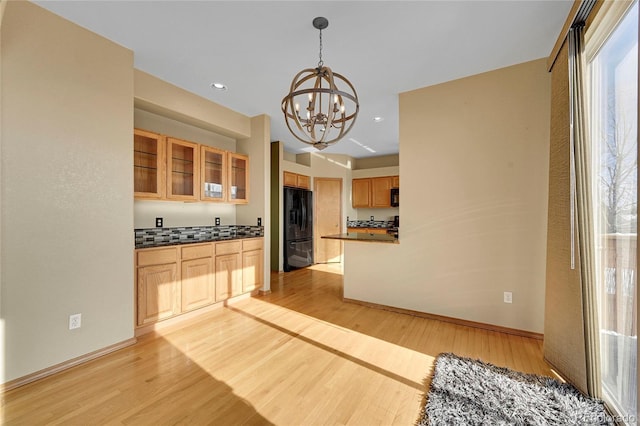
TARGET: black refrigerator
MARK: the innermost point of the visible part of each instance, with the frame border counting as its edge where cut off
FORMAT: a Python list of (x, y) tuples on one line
[(298, 228)]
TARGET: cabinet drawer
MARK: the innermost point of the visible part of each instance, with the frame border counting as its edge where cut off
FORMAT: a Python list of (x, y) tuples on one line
[(156, 256), (251, 244), (197, 251), (230, 247)]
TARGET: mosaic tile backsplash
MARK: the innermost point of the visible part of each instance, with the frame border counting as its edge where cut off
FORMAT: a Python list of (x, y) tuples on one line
[(370, 224), (155, 237)]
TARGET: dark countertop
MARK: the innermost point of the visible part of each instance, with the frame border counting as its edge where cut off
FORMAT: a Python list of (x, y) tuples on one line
[(182, 241), (359, 236)]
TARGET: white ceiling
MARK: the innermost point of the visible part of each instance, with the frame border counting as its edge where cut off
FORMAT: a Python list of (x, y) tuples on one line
[(383, 47)]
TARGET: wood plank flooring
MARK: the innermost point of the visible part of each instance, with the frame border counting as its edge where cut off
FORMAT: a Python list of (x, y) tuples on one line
[(298, 356)]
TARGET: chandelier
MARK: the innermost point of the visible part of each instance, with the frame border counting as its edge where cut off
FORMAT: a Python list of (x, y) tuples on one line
[(316, 110)]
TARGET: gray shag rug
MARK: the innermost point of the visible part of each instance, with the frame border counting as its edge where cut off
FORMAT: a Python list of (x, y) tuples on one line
[(465, 391)]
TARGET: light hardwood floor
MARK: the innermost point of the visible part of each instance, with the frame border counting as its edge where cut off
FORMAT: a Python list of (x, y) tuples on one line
[(298, 356)]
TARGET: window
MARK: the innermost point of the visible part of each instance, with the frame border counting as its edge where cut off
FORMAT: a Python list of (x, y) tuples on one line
[(613, 80)]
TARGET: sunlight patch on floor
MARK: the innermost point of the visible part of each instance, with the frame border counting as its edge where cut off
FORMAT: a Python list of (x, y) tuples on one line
[(308, 362)]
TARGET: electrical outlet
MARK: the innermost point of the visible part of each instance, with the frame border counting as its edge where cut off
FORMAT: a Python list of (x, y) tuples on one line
[(75, 321), (372, 218), (508, 297), (259, 221), (159, 222), (217, 221)]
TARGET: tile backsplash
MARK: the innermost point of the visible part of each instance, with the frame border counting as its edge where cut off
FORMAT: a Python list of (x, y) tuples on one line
[(370, 224), (180, 234)]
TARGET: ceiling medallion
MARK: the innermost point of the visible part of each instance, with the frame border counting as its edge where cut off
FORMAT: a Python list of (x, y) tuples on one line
[(330, 110)]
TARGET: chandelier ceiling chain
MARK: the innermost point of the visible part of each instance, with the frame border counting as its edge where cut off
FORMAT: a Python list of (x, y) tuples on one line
[(320, 61), (330, 111)]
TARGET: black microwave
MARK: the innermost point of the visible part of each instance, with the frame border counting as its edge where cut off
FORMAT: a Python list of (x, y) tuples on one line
[(395, 197)]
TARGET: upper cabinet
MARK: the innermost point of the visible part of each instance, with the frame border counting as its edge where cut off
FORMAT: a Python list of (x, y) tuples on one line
[(183, 166), (238, 178), (361, 193), (166, 168), (213, 174), (373, 192), (381, 191), (148, 164), (295, 180)]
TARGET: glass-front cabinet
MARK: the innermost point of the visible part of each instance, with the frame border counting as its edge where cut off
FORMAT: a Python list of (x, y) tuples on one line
[(167, 168), (238, 178), (148, 164), (213, 177), (182, 170)]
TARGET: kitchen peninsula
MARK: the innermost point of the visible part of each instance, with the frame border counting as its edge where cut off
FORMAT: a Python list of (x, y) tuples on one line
[(377, 231)]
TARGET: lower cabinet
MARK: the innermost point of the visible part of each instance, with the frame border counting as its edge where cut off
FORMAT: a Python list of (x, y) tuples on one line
[(198, 284), (177, 279), (157, 285), (157, 293), (228, 272), (252, 265), (228, 269), (368, 230)]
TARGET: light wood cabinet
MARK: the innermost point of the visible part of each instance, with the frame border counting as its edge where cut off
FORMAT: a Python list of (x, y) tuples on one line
[(167, 168), (381, 192), (228, 269), (183, 168), (361, 193), (197, 278), (157, 285), (238, 178), (177, 279), (289, 179), (213, 174), (368, 230), (373, 192), (252, 265), (228, 276), (149, 164), (295, 180), (304, 182)]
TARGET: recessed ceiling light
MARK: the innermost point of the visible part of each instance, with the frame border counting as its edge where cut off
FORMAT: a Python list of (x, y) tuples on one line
[(218, 86), (378, 119)]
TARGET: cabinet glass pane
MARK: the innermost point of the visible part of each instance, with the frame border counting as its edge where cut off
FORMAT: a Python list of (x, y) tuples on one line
[(145, 164), (182, 158), (238, 178), (213, 173)]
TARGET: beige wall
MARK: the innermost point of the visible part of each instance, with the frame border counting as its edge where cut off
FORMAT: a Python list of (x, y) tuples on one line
[(380, 161), (160, 97), (257, 147), (67, 209), (474, 167)]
